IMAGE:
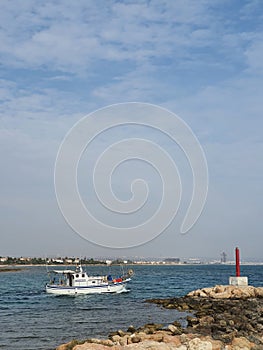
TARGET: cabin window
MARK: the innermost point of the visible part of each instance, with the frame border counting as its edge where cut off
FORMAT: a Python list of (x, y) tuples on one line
[(93, 281), (83, 275), (77, 275)]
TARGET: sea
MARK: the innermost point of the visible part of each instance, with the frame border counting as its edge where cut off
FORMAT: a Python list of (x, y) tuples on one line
[(32, 319)]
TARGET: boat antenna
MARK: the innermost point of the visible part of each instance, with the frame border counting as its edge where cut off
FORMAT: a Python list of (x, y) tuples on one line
[(47, 265), (122, 269)]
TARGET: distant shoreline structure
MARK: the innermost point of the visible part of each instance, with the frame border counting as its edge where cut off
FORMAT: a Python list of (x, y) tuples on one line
[(18, 267), (67, 261)]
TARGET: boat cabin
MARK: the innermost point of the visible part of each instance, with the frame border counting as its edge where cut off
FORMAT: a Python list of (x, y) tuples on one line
[(78, 278)]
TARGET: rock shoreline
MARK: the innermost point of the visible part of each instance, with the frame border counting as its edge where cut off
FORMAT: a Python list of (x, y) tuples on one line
[(222, 318)]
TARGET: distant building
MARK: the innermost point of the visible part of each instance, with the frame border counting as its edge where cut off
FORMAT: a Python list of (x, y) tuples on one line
[(194, 261), (24, 259), (223, 258), (172, 260), (59, 261)]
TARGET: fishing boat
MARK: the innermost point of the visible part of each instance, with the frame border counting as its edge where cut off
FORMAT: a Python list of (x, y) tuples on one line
[(72, 282)]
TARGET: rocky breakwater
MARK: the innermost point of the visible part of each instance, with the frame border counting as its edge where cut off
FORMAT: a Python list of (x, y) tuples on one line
[(228, 292), (224, 313), (149, 337), (220, 318)]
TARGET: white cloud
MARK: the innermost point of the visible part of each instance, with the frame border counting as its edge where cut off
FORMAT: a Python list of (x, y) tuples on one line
[(254, 54), (70, 36)]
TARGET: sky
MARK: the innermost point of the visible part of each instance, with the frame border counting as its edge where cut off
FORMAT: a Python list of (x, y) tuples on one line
[(62, 60)]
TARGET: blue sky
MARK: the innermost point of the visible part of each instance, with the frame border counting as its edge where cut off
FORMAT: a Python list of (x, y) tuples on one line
[(61, 60)]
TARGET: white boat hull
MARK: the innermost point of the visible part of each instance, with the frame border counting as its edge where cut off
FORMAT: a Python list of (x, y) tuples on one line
[(99, 289)]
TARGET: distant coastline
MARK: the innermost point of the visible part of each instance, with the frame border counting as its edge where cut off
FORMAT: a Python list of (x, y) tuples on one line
[(106, 261), (143, 261), (20, 266)]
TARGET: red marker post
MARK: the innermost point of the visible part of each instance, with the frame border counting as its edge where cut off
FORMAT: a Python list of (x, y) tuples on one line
[(237, 280), (237, 263)]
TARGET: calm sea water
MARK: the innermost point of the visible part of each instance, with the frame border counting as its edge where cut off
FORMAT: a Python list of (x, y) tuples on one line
[(32, 319)]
